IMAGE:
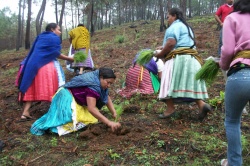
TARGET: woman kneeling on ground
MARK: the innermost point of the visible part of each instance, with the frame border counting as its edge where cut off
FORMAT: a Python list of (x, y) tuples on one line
[(77, 104)]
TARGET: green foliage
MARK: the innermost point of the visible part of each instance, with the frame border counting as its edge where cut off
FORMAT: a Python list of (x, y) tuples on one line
[(208, 71), (119, 111), (53, 141), (10, 71), (5, 161), (245, 144), (80, 56), (144, 57), (8, 23), (119, 39), (160, 143), (219, 100), (113, 155)]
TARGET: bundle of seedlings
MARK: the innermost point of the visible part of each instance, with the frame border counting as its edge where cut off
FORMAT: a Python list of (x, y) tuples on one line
[(80, 56), (208, 71), (144, 57)]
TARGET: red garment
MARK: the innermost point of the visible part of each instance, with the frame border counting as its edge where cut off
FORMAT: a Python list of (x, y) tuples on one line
[(44, 86), (224, 11), (134, 84)]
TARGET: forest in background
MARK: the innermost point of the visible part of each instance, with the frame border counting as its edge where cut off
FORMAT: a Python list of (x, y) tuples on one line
[(19, 30)]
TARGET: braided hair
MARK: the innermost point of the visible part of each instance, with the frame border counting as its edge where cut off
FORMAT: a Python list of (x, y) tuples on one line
[(179, 15)]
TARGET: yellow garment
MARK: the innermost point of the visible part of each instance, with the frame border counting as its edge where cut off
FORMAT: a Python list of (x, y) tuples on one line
[(181, 51), (80, 38), (243, 54), (80, 118)]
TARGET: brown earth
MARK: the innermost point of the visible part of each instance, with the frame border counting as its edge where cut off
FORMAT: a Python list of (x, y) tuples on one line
[(143, 139)]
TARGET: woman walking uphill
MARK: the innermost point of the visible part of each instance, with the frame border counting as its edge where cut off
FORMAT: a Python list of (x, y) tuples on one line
[(178, 82), (235, 57), (41, 73)]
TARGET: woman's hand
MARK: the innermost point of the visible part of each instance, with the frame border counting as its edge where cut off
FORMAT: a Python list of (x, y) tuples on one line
[(64, 57), (71, 59), (159, 48), (114, 125)]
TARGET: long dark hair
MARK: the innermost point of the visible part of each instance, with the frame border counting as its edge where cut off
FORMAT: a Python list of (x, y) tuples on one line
[(106, 73), (179, 15), (242, 6), (50, 26)]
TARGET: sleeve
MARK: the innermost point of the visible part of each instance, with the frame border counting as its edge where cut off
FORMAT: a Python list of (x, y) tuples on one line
[(160, 65), (173, 32), (219, 11), (92, 93), (229, 43)]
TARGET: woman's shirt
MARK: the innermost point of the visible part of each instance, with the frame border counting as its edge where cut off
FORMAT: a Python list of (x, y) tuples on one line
[(80, 94), (236, 37), (178, 31)]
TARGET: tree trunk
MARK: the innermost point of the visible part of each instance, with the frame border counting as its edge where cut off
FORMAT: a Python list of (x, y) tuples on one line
[(72, 13), (190, 8), (18, 38), (162, 16), (61, 15), (27, 35), (119, 12), (91, 19), (22, 26), (39, 18), (169, 5), (56, 11), (183, 6)]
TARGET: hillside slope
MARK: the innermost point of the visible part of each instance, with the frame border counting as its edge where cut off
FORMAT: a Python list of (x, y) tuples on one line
[(144, 139)]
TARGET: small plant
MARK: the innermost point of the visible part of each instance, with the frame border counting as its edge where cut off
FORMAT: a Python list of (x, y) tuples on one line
[(119, 38), (53, 141), (219, 100), (244, 143), (160, 143), (5, 160), (113, 155), (119, 111)]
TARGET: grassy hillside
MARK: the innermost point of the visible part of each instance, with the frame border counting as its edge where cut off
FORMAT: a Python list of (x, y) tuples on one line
[(144, 139)]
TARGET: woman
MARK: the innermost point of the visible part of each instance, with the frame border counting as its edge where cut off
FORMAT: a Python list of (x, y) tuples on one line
[(235, 58), (143, 79), (182, 62), (80, 40), (41, 73), (77, 104)]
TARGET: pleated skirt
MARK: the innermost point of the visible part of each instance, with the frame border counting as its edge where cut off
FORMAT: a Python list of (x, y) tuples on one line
[(178, 80), (45, 84)]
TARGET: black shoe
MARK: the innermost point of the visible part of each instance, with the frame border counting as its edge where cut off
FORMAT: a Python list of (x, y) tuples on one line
[(206, 108)]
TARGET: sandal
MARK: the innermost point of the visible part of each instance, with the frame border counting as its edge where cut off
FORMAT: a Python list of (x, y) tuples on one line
[(25, 118), (162, 116)]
